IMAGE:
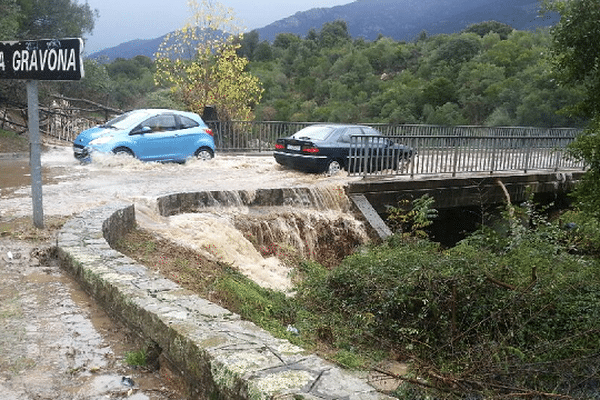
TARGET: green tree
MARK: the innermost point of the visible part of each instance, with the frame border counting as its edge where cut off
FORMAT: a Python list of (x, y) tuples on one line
[(334, 33), (476, 80), (42, 19), (484, 28), (459, 49), (384, 55), (285, 40), (576, 50), (263, 52), (132, 80), (9, 19), (439, 91), (248, 44), (576, 56), (201, 66)]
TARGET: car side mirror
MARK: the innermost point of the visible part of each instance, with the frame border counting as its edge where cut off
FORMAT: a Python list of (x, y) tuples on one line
[(140, 130)]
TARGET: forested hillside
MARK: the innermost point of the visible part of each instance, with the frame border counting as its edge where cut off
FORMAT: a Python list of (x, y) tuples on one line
[(405, 19), (487, 74)]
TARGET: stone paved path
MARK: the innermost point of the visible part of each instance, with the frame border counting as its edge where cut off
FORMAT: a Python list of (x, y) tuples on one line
[(55, 343)]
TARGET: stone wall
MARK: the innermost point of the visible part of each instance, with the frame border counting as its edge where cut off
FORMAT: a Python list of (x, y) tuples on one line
[(220, 355)]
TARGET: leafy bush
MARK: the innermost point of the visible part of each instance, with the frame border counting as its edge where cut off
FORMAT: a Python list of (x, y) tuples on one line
[(507, 312), (269, 309)]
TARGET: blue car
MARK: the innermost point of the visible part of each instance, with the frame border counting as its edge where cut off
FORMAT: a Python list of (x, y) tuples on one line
[(149, 135)]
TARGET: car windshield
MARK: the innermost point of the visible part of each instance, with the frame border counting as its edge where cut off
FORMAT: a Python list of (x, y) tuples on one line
[(314, 133), (127, 120)]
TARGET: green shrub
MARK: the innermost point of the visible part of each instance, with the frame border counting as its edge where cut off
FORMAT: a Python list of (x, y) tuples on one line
[(136, 358), (271, 310), (500, 304)]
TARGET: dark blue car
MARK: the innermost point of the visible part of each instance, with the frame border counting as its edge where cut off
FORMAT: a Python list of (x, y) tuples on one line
[(149, 135), (330, 148)]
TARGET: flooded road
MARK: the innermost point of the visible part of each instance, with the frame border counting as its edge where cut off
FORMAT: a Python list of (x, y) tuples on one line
[(15, 173), (71, 187)]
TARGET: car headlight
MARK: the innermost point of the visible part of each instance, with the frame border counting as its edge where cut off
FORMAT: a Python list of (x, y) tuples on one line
[(101, 140)]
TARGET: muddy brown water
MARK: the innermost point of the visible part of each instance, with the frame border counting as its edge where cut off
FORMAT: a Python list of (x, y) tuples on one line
[(15, 173)]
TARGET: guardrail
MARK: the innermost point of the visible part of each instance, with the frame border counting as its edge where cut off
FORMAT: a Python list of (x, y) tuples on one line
[(251, 136), (465, 149), (437, 149)]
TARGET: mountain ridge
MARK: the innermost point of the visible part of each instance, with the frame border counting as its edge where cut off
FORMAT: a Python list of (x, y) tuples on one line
[(401, 20)]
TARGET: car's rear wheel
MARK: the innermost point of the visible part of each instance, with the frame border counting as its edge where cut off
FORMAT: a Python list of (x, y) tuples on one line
[(204, 154), (333, 167)]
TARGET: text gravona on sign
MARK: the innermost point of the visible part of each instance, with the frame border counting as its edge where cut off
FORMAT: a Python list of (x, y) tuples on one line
[(47, 59)]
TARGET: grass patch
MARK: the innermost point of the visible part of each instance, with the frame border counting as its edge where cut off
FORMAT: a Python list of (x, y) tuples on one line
[(136, 358), (22, 228), (11, 142), (215, 281)]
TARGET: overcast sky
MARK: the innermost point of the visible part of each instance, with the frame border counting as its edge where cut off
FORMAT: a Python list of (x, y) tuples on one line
[(124, 20)]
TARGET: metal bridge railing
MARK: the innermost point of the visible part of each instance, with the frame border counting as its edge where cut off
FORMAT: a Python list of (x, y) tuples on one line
[(464, 150), (251, 136), (436, 149)]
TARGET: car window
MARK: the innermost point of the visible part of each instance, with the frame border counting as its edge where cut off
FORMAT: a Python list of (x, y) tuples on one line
[(126, 120), (346, 137), (160, 123), (371, 131), (314, 133), (187, 123)]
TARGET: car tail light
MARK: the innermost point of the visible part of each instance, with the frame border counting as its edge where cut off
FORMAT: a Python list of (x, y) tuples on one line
[(210, 132), (279, 146), (311, 150)]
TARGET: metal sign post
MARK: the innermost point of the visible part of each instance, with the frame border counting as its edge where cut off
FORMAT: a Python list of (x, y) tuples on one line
[(35, 60), (35, 153)]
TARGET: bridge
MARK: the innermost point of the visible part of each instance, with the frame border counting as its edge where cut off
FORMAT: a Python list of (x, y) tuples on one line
[(373, 196), (465, 167)]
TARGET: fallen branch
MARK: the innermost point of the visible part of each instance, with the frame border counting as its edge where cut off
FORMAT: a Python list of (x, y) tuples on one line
[(451, 385)]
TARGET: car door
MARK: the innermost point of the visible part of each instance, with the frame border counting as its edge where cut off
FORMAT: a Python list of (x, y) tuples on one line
[(345, 144), (157, 140), (345, 141), (186, 138)]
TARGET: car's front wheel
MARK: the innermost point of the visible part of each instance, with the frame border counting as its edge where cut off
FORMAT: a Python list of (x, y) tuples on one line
[(123, 151), (333, 167), (204, 154)]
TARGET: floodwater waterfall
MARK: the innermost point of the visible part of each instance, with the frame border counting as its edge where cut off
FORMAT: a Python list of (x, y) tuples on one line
[(261, 232)]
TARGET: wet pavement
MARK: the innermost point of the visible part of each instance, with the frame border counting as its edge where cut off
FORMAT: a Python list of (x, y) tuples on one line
[(71, 187), (55, 343)]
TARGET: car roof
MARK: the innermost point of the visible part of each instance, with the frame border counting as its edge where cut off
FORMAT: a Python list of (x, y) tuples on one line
[(156, 111), (333, 125)]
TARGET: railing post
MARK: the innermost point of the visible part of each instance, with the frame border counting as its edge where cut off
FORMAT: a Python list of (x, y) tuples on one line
[(456, 155), (528, 150)]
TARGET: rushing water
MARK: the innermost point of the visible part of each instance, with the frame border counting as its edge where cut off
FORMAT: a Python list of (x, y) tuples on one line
[(71, 187), (309, 217), (264, 240)]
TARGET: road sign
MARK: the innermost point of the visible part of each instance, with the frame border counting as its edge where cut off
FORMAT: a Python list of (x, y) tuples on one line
[(33, 61), (42, 60)]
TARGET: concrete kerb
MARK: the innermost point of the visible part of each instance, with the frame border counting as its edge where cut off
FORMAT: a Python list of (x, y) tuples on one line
[(219, 355)]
